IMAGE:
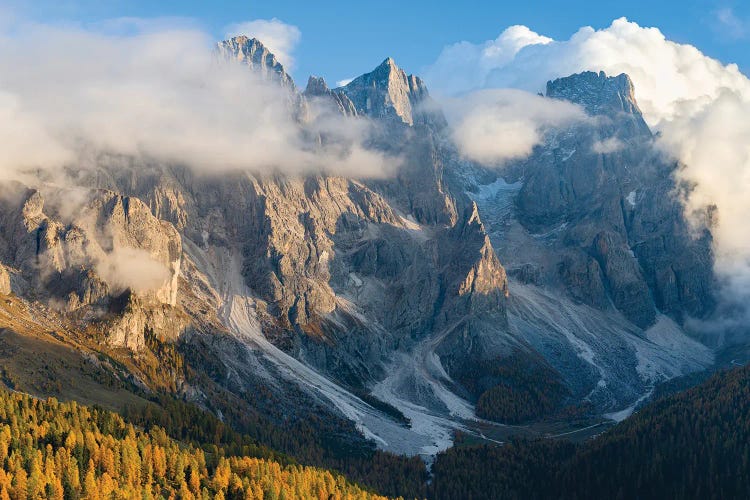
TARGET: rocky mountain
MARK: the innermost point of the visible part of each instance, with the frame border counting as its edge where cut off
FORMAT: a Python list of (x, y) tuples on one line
[(394, 311)]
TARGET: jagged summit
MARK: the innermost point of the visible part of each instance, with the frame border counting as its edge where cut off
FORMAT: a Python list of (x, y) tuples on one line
[(600, 94), (596, 92), (316, 85), (388, 92), (318, 88), (252, 52)]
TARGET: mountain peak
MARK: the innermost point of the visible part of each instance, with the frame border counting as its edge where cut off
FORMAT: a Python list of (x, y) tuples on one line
[(390, 64), (318, 88), (387, 92), (253, 53), (316, 85), (600, 94)]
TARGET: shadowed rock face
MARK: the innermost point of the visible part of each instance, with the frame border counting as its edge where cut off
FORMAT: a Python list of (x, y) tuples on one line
[(611, 197)]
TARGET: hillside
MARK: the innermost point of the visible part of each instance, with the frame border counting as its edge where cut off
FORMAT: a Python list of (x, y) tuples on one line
[(694, 444), (65, 450)]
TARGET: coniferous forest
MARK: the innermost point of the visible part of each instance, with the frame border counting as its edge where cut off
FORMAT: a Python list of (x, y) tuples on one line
[(64, 450), (694, 444)]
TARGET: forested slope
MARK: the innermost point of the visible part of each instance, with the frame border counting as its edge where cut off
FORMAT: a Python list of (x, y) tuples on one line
[(694, 444), (59, 450)]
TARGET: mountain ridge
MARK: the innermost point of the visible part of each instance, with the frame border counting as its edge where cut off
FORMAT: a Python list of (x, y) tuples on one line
[(424, 293)]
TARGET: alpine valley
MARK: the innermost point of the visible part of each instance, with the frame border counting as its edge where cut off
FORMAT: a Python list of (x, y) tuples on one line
[(395, 329)]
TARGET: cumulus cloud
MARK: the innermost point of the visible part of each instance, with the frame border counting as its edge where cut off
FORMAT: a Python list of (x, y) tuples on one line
[(698, 105), (714, 148), (464, 66), (278, 37), (158, 93), (668, 76), (493, 126)]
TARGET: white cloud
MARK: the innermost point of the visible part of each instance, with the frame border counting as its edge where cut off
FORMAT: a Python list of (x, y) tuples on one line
[(278, 37), (714, 146), (608, 146), (699, 105), (464, 66), (132, 268), (493, 126), (667, 75), (159, 94), (344, 82)]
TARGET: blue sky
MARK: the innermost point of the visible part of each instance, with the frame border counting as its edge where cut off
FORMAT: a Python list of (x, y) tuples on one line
[(342, 39)]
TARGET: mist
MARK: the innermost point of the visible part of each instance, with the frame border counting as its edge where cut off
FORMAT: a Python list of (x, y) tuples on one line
[(494, 126), (158, 92)]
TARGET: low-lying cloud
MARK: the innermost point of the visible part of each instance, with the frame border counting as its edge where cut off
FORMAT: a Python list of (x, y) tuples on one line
[(158, 93), (698, 105), (494, 126), (131, 268), (608, 146)]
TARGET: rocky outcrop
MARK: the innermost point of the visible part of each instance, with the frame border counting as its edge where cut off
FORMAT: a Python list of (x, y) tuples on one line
[(582, 277), (485, 275), (318, 89), (81, 250), (130, 317), (4, 281)]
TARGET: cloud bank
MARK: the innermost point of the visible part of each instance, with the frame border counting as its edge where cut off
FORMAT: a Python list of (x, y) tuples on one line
[(157, 92), (698, 105)]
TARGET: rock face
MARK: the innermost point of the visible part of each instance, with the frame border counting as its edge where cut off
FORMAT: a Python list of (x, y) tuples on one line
[(389, 94), (593, 186), (317, 88), (628, 289), (601, 95), (85, 250)]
